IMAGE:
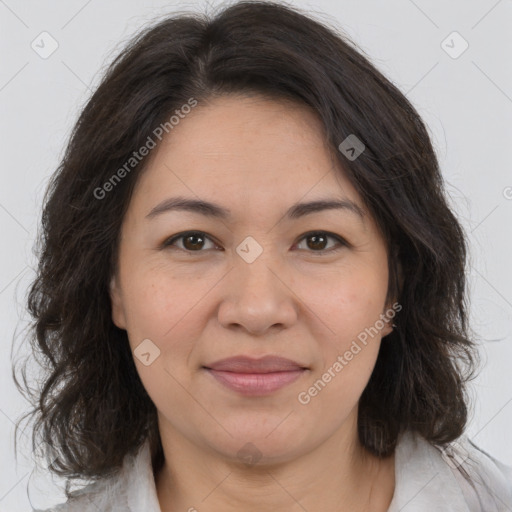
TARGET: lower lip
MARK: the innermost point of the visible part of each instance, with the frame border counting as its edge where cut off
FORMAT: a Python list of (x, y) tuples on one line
[(256, 384)]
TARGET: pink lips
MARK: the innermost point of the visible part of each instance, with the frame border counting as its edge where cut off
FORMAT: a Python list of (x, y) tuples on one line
[(255, 377)]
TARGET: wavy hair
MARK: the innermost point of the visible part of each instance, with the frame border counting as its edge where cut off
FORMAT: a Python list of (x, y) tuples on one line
[(90, 408)]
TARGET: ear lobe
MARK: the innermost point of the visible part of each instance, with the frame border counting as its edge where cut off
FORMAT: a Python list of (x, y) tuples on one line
[(388, 327), (397, 288), (397, 272), (117, 304)]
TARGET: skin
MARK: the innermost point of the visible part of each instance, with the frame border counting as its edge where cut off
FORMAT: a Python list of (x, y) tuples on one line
[(256, 157)]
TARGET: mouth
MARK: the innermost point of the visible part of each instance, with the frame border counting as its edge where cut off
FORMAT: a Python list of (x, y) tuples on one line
[(255, 377)]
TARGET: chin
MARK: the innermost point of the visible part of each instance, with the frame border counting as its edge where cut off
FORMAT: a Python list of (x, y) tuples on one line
[(262, 441)]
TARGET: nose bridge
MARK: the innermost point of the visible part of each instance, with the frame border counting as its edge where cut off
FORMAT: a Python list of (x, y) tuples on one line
[(256, 299), (257, 275), (254, 256), (255, 272)]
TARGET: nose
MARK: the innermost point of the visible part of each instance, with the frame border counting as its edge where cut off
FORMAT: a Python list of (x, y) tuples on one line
[(257, 298)]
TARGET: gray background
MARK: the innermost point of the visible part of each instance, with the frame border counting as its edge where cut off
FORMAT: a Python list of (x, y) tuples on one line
[(466, 102)]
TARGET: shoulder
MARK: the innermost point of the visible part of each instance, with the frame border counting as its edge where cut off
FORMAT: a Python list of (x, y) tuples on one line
[(484, 480), (459, 476), (132, 488), (91, 498)]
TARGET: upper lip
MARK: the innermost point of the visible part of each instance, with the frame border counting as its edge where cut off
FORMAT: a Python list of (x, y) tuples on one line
[(245, 364)]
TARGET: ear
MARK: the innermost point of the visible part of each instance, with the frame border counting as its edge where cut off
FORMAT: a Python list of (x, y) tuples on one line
[(118, 316), (393, 306), (388, 326)]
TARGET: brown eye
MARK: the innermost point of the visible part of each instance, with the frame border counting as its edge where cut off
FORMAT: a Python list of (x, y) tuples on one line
[(318, 241), (191, 241)]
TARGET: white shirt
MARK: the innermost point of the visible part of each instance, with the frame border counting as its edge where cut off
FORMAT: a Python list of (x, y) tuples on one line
[(426, 480)]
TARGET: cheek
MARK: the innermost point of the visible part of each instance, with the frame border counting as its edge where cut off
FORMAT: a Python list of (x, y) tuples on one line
[(150, 308), (348, 302), (348, 305), (171, 312), (167, 312), (158, 303), (349, 347)]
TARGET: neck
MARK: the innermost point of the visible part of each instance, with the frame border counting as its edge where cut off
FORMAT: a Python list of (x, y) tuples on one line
[(339, 475)]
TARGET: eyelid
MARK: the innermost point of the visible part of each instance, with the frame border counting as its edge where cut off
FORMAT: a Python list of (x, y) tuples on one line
[(168, 242), (341, 241)]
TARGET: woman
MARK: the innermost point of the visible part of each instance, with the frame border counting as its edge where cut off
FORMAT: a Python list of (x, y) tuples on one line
[(251, 292)]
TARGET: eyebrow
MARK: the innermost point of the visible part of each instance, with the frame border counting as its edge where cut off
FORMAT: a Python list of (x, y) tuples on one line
[(209, 209)]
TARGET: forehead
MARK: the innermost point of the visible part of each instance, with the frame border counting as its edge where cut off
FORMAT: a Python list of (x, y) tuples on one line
[(245, 151)]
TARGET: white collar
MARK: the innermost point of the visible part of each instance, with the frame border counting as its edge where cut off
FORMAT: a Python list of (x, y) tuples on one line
[(424, 480)]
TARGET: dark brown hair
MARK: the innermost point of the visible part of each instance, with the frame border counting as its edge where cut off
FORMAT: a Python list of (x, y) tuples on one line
[(91, 408)]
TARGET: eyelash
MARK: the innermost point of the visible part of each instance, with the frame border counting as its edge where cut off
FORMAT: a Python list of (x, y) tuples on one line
[(342, 243)]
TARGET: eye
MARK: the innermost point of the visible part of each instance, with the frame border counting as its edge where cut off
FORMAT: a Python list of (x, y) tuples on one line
[(196, 241), (318, 241), (191, 241)]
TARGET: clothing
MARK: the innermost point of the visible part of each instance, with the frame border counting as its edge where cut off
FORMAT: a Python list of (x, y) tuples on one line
[(427, 479)]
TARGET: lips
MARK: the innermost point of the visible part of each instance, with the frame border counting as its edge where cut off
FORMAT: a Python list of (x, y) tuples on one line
[(255, 377), (244, 364)]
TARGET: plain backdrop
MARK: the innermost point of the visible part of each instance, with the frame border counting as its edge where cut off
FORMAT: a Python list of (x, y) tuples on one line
[(465, 97)]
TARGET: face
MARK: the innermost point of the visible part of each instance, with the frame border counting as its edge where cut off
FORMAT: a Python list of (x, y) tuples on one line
[(260, 280)]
